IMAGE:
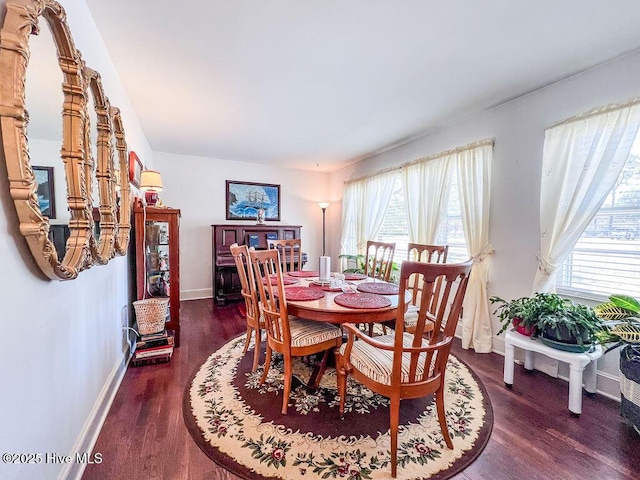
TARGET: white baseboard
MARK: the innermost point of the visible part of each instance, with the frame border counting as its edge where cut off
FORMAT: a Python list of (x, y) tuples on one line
[(89, 434), (196, 294)]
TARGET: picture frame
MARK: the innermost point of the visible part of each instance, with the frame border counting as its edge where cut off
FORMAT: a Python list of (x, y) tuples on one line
[(243, 199), (45, 191), (135, 169), (163, 238)]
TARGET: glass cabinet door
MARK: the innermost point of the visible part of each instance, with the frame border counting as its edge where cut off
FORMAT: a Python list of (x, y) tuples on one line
[(157, 258), (157, 276)]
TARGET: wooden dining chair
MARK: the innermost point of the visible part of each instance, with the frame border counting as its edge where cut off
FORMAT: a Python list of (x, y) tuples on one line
[(425, 253), (290, 336), (378, 264), (422, 252), (406, 365), (290, 253), (379, 259), (249, 290)]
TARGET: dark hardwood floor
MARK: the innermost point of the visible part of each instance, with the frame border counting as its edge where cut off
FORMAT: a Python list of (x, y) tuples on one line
[(534, 437)]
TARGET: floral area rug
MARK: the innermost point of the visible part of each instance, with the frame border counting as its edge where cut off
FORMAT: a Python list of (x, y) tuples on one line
[(238, 424)]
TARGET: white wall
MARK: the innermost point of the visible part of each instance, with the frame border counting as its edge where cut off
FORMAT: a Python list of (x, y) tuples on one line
[(518, 129), (196, 186), (62, 349)]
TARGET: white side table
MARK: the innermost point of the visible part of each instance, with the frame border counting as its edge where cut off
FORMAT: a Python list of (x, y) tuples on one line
[(578, 362)]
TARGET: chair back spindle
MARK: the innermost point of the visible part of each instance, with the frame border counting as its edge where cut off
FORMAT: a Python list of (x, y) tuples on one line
[(425, 253), (268, 273), (379, 259), (249, 293)]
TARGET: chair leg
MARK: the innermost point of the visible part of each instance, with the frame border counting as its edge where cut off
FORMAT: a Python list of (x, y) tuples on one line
[(247, 339), (394, 420), (257, 348), (267, 364), (341, 376), (287, 383), (442, 418)]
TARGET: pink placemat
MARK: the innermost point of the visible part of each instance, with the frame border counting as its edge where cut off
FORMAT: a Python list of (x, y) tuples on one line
[(362, 300), (379, 288), (302, 293), (354, 276), (285, 280), (303, 273), (324, 286)]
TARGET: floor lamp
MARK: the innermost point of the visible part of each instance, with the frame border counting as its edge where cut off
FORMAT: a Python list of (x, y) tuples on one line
[(323, 206)]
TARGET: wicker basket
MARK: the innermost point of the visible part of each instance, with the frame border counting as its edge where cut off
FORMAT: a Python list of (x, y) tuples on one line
[(151, 315)]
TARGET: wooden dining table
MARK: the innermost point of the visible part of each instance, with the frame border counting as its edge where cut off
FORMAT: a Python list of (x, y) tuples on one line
[(327, 310)]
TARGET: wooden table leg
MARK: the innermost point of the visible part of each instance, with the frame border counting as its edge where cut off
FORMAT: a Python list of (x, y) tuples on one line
[(318, 370)]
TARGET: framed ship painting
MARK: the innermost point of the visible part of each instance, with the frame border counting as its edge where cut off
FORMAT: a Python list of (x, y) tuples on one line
[(249, 201)]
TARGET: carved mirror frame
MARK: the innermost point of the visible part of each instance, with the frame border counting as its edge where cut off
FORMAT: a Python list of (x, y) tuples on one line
[(82, 250)]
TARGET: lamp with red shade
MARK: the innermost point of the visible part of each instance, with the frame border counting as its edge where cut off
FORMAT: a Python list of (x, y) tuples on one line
[(150, 184)]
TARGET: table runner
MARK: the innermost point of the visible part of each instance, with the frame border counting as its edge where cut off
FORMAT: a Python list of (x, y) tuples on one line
[(303, 273)]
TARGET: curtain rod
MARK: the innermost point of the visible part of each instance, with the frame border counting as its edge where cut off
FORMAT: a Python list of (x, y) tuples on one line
[(612, 107), (470, 146)]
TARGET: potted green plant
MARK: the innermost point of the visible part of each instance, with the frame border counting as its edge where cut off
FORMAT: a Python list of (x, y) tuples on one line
[(621, 328), (356, 264), (558, 322), (523, 313), (571, 328)]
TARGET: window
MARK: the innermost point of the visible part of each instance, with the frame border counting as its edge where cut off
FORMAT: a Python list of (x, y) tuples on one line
[(606, 259), (395, 227), (451, 232)]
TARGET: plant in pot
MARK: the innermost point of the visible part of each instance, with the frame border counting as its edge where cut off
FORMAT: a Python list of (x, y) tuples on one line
[(356, 264), (621, 328), (571, 328), (523, 313)]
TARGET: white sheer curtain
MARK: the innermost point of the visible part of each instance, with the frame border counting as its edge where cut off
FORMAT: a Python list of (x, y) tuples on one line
[(365, 203), (474, 187), (582, 159), (426, 191), (352, 198)]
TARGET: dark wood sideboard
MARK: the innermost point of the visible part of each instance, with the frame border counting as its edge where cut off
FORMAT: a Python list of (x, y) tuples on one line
[(226, 284)]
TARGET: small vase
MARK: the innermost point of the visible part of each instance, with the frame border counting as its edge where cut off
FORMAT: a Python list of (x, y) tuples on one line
[(260, 216)]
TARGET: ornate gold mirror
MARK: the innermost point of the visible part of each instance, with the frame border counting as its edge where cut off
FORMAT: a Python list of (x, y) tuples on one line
[(123, 189), (78, 84)]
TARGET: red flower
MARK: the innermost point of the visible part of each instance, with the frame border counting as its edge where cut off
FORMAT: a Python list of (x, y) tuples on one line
[(277, 454), (343, 470), (422, 449)]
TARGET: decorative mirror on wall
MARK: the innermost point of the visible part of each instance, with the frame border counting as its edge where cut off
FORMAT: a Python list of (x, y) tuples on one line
[(82, 171)]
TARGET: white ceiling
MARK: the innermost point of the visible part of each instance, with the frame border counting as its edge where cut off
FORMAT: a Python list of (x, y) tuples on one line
[(320, 84)]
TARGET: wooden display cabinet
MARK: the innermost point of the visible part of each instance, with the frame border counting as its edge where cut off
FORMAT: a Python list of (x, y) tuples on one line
[(158, 259)]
